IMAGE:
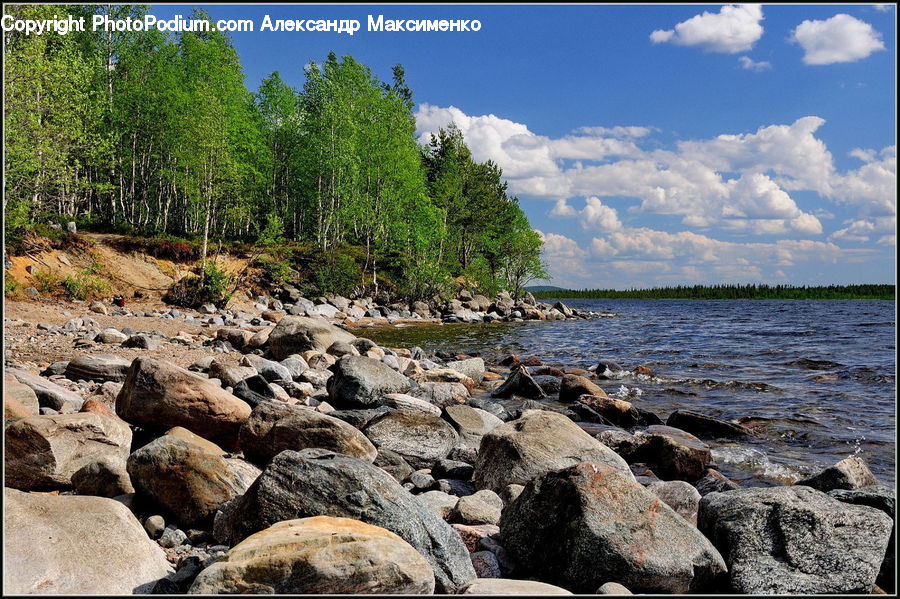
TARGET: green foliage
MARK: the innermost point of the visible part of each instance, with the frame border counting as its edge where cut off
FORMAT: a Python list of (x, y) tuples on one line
[(47, 282), (276, 270), (777, 292), (84, 285), (209, 284), (10, 286), (337, 273)]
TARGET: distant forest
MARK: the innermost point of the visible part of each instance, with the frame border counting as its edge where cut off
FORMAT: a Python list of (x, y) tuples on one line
[(831, 292)]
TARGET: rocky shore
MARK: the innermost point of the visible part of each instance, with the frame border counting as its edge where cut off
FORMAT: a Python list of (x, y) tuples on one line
[(279, 450)]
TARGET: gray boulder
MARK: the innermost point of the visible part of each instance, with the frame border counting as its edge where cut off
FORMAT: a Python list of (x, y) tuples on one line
[(795, 540), (441, 394), (582, 526), (297, 334), (848, 474), (672, 453), (98, 367), (269, 370), (707, 426), (420, 438), (482, 507), (105, 477), (362, 382), (678, 495), (316, 482), (884, 499), (471, 367), (49, 394)]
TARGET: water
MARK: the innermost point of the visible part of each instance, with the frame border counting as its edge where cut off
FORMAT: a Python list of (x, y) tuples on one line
[(817, 377)]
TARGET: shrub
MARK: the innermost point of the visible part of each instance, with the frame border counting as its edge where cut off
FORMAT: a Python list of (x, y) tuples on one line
[(192, 291), (275, 270), (84, 285), (337, 273), (10, 286)]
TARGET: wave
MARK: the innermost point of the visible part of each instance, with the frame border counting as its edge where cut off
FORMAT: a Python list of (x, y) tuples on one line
[(749, 458)]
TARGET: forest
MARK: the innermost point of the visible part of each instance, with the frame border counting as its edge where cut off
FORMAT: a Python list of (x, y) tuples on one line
[(152, 134), (780, 292)]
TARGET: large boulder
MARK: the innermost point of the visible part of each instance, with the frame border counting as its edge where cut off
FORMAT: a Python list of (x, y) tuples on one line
[(297, 334), (49, 394), (160, 395), (21, 395), (269, 370), (511, 586), (441, 394), (43, 452), (185, 479), (671, 453), (106, 477), (537, 442), (73, 545), (588, 524), (472, 424), (420, 438), (471, 367), (519, 382), (98, 367), (362, 382), (315, 482), (795, 540), (274, 426), (884, 499), (319, 555), (707, 426), (573, 386), (848, 474)]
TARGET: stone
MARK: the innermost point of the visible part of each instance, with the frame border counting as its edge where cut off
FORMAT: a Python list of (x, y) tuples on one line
[(361, 382), (610, 409), (158, 394), (511, 586), (23, 396), (142, 341), (587, 524), (394, 464), (520, 383), (714, 481), (471, 367), (319, 555), (884, 499), (98, 367), (442, 503), (172, 537), (274, 427), (269, 370), (295, 365), (678, 495), (238, 337), (420, 438), (296, 334), (672, 453), (447, 375), (486, 564), (53, 545), (105, 477), (228, 373), (183, 478), (537, 442), (48, 393), (572, 387), (260, 338), (511, 493), (317, 482), (254, 390), (706, 426), (471, 424), (402, 401), (613, 588), (441, 394), (452, 469), (482, 507), (795, 540), (112, 335), (154, 525), (43, 452), (473, 534), (849, 473), (185, 435)]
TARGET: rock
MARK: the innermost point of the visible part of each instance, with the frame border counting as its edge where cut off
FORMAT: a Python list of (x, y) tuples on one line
[(160, 395), (511, 493), (98, 367), (208, 309), (472, 368), (714, 481), (420, 438), (22, 396), (361, 382), (706, 426), (48, 393), (441, 503), (342, 348), (795, 540), (613, 588), (296, 334), (319, 555), (447, 375), (518, 451), (472, 424), (229, 374), (260, 338), (483, 507), (237, 337), (316, 482), (269, 370), (880, 498), (142, 341), (519, 382), (43, 452), (274, 427), (584, 525), (172, 537), (105, 477), (672, 453), (511, 586), (154, 525), (52, 544), (295, 365), (402, 401), (452, 469), (572, 387), (678, 495), (254, 390), (441, 394), (71, 227), (394, 464), (111, 335), (183, 478), (849, 474), (611, 409), (186, 435), (473, 534)]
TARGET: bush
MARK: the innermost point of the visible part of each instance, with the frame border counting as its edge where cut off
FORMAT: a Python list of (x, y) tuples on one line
[(84, 285), (338, 273), (10, 286), (275, 270), (193, 291)]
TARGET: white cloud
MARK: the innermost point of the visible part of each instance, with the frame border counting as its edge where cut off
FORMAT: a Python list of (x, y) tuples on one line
[(752, 65), (733, 29), (841, 38), (617, 131), (882, 7), (597, 216), (872, 186), (562, 210), (861, 231)]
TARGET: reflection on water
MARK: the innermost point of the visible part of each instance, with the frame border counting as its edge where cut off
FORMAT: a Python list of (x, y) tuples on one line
[(818, 377)]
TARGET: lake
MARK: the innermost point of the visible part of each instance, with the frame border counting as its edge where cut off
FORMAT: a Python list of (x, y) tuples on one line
[(817, 377)]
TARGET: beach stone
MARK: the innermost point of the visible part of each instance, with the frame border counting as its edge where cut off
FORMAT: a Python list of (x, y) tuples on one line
[(112, 335), (672, 453), (98, 367), (539, 441), (441, 503), (296, 334), (795, 540), (421, 439), (259, 338), (482, 507), (486, 564), (155, 525), (275, 426), (172, 537), (52, 544), (317, 555), (616, 411), (23, 396), (473, 534), (317, 482), (520, 383), (342, 348), (142, 341), (706, 426), (161, 395), (185, 435), (714, 481), (402, 401), (254, 390), (511, 586), (394, 464), (471, 367), (228, 373), (49, 394), (572, 387), (235, 336), (441, 394), (183, 478), (295, 365), (452, 469), (849, 473), (105, 477), (678, 495), (361, 382), (268, 369), (881, 498), (584, 525), (472, 424), (613, 588), (447, 375), (43, 452)]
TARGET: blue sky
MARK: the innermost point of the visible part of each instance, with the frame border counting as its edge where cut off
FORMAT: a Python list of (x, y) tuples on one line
[(653, 145)]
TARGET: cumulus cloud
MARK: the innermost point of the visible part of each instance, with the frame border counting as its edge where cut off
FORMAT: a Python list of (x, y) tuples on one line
[(562, 210), (752, 65), (872, 186), (861, 231), (841, 38), (733, 29), (617, 131)]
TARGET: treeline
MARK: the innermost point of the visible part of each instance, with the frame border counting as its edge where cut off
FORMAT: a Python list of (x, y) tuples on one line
[(785, 292), (150, 133)]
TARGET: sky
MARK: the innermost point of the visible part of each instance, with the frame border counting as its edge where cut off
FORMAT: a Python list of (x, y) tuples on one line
[(651, 145)]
